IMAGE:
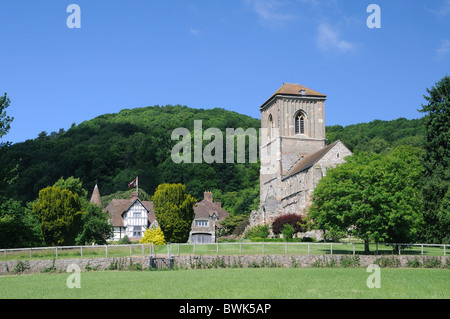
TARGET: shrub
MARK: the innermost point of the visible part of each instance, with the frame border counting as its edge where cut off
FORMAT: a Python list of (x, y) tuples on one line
[(21, 266), (432, 262), (350, 262), (415, 263), (153, 235), (288, 231), (124, 241), (387, 262), (258, 231), (296, 221)]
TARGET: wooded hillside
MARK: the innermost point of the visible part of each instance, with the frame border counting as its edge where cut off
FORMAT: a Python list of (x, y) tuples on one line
[(113, 149)]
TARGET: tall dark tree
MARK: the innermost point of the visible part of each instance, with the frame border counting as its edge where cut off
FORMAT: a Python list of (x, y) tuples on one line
[(59, 212), (7, 167), (436, 188), (174, 210)]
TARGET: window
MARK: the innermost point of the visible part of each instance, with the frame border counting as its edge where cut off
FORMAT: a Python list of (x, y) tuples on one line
[(137, 231), (202, 223), (137, 214), (269, 131), (300, 123)]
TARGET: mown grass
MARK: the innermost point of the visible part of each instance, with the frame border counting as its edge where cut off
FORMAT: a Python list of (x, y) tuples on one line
[(262, 283)]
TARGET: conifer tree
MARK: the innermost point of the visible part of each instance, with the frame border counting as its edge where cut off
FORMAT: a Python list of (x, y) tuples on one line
[(174, 211), (436, 188)]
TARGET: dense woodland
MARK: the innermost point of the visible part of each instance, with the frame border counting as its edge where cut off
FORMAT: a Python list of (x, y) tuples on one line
[(112, 149)]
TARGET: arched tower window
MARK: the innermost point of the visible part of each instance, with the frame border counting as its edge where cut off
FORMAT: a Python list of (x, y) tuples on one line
[(300, 120), (269, 131)]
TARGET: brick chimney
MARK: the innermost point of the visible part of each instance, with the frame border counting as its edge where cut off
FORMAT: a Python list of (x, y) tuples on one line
[(208, 196), (134, 195)]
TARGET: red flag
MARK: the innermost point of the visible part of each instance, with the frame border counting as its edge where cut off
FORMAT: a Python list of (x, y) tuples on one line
[(133, 183)]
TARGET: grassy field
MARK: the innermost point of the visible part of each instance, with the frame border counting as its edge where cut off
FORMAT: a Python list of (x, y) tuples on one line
[(264, 283)]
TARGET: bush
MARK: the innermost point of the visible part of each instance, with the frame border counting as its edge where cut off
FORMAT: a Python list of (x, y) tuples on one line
[(432, 262), (288, 231), (258, 231), (124, 241), (296, 221), (153, 235)]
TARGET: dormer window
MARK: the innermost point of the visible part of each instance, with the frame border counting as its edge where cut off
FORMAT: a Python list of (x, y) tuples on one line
[(302, 92)]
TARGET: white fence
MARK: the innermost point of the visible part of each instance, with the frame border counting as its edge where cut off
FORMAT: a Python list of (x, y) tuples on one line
[(232, 248)]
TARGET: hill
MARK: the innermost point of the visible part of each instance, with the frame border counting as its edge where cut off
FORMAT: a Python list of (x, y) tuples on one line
[(112, 149), (378, 136)]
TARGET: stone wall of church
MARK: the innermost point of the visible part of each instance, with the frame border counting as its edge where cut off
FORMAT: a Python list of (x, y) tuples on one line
[(294, 194)]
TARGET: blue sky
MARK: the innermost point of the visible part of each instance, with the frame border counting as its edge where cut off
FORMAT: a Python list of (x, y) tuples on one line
[(232, 54)]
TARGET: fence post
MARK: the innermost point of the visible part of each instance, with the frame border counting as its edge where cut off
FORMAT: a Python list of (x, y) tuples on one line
[(106, 250), (331, 248), (81, 251), (56, 252), (353, 249), (308, 248), (421, 246), (444, 250)]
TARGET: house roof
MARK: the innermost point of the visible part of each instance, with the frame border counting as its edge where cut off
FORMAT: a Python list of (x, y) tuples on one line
[(95, 198), (207, 207), (311, 159), (294, 89), (118, 206)]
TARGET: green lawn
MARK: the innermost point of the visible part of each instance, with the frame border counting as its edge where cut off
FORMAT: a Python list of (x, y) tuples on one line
[(264, 283)]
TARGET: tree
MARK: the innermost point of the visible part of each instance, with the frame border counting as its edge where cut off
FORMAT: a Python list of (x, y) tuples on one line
[(373, 197), (437, 162), (7, 167), (174, 211), (59, 212), (96, 227), (231, 222), (18, 226), (75, 185)]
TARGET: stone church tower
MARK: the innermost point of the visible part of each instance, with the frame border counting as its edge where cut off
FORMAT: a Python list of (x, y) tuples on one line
[(294, 152)]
